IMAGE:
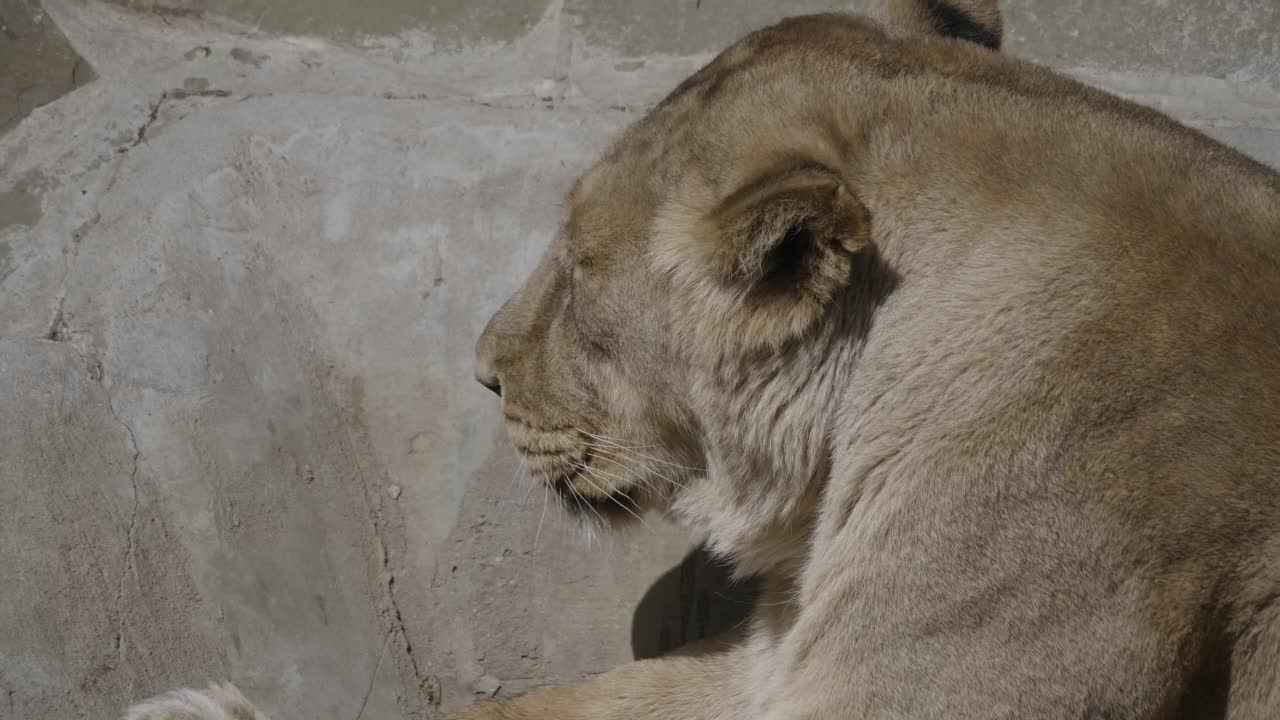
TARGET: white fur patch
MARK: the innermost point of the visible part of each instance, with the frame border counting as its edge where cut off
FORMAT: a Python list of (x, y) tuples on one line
[(218, 702)]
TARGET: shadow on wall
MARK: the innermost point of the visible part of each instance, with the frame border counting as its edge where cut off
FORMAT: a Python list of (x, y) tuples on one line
[(696, 600)]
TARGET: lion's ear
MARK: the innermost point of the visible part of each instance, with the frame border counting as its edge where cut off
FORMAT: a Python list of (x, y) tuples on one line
[(790, 232), (780, 247), (976, 21)]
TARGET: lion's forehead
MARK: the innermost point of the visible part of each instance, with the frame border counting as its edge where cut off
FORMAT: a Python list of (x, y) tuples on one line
[(608, 214)]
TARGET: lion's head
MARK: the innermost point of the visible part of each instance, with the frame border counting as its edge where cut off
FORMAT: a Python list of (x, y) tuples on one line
[(683, 342)]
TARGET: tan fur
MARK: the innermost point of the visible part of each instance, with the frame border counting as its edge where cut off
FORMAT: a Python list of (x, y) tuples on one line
[(977, 366)]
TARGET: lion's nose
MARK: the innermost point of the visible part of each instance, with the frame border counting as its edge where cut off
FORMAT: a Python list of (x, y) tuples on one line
[(487, 357), (489, 381), (486, 368)]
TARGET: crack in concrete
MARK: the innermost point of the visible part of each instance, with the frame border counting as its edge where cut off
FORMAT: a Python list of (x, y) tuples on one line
[(499, 102), (151, 119), (391, 611), (180, 94), (58, 326), (502, 102), (562, 81), (131, 538), (60, 330), (397, 619), (61, 333)]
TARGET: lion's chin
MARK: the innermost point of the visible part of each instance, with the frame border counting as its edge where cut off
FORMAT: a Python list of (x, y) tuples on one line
[(609, 505)]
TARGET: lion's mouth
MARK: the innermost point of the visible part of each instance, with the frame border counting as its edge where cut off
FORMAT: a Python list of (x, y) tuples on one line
[(591, 479), (582, 488), (606, 502)]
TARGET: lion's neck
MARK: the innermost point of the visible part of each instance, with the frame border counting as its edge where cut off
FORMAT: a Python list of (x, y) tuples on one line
[(768, 443)]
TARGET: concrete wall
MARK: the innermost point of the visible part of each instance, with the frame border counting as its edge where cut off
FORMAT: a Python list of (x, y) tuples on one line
[(241, 273)]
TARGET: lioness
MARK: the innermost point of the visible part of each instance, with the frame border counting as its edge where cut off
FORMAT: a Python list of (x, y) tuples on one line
[(977, 366)]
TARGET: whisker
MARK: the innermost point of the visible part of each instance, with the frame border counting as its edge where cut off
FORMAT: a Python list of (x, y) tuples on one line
[(562, 520), (582, 502), (515, 474), (522, 475), (633, 448), (546, 497), (599, 471), (610, 442), (615, 500), (631, 474), (615, 456), (615, 440)]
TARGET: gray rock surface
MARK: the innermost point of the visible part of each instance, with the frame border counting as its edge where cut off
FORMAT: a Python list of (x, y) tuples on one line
[(37, 66), (241, 273)]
